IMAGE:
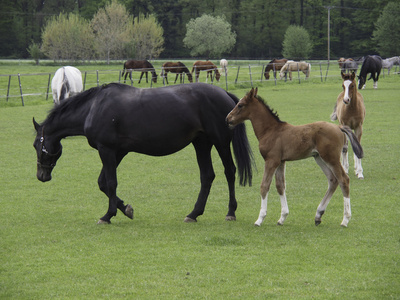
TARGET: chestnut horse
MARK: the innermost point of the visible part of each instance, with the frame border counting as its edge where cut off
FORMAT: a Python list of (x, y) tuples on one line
[(205, 66), (292, 66), (274, 65), (175, 67), (142, 65), (350, 111), (280, 142)]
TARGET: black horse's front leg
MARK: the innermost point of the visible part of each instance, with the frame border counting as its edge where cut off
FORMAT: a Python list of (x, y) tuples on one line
[(108, 184)]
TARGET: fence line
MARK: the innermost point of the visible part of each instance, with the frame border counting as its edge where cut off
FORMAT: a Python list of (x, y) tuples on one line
[(92, 78)]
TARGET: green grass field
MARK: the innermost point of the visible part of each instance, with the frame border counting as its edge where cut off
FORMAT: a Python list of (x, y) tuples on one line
[(52, 248)]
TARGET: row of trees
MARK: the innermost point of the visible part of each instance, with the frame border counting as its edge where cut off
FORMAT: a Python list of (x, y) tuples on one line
[(357, 27)]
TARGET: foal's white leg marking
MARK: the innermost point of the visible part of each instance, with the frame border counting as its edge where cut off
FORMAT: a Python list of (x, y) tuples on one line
[(263, 211), (347, 212), (284, 209), (358, 167)]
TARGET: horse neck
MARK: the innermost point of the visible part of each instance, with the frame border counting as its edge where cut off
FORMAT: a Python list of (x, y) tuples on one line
[(61, 124), (262, 119)]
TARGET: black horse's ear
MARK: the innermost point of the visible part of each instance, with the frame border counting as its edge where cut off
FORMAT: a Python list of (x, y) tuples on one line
[(36, 125)]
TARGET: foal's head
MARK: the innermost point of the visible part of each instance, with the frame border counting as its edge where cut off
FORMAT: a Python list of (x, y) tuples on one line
[(241, 111), (349, 87)]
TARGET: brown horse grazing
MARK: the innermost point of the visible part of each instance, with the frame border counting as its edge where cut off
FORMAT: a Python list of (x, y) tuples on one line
[(350, 111), (175, 67), (295, 66), (274, 65), (280, 142), (142, 65), (205, 66)]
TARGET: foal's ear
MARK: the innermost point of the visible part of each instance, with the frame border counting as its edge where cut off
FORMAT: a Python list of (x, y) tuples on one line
[(341, 72), (255, 92), (36, 124), (353, 75)]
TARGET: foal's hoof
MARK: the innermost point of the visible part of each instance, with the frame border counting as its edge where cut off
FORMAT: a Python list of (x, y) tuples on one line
[(101, 222), (317, 222), (189, 220), (129, 211), (230, 218)]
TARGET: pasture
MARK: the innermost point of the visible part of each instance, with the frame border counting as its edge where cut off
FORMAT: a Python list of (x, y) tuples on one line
[(52, 248)]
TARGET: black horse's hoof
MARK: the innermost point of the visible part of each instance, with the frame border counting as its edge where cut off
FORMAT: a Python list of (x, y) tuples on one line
[(317, 222), (129, 211), (230, 218), (101, 222), (189, 220)]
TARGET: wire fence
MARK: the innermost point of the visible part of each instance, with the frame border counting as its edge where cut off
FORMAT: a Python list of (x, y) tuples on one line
[(38, 86)]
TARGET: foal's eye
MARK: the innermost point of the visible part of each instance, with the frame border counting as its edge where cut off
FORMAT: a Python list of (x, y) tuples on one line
[(240, 105)]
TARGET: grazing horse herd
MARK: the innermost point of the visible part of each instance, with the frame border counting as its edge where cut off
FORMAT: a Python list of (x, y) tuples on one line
[(115, 120)]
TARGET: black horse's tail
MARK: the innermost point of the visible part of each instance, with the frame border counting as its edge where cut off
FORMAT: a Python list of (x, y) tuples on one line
[(242, 150), (355, 144)]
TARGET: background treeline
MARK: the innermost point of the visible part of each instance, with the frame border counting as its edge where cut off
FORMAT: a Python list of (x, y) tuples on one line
[(260, 25)]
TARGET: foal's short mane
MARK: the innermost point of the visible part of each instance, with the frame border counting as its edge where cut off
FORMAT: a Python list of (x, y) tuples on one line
[(273, 113)]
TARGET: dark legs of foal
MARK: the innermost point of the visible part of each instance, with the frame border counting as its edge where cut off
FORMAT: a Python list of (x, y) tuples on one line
[(108, 185)]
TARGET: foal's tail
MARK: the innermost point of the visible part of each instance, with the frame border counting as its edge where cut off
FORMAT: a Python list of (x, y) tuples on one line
[(243, 153), (355, 144)]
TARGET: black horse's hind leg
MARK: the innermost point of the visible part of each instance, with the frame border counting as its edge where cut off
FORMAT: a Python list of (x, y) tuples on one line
[(108, 184), (207, 175), (176, 78), (141, 75), (230, 171)]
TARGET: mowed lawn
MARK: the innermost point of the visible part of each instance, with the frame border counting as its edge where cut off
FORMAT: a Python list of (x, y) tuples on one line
[(51, 247)]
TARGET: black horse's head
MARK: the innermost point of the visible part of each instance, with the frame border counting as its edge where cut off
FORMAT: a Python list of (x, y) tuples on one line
[(48, 152)]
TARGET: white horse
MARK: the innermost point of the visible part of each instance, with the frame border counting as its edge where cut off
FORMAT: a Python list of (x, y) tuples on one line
[(67, 81), (389, 62), (224, 66), (293, 66)]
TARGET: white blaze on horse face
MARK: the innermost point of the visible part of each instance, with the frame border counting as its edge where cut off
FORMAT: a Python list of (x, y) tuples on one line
[(346, 98)]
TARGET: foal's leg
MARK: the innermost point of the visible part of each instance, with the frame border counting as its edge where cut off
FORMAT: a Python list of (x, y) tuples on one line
[(345, 157), (207, 175), (280, 187), (357, 161), (269, 170), (332, 185)]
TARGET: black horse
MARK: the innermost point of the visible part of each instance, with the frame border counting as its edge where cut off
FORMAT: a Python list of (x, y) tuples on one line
[(117, 119), (372, 64)]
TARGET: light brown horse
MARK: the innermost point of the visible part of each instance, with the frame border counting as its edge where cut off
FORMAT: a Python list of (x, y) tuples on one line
[(142, 65), (350, 110), (295, 66), (177, 68), (205, 66), (274, 65), (280, 142)]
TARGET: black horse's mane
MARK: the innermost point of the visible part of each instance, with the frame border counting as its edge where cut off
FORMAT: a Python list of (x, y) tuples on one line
[(273, 113), (77, 102)]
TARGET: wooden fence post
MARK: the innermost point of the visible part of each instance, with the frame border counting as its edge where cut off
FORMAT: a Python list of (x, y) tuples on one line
[(20, 89)]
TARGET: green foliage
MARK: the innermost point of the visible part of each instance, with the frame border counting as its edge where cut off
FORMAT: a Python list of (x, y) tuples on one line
[(34, 52), (68, 37), (297, 43), (209, 36), (147, 37), (387, 33), (112, 26)]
